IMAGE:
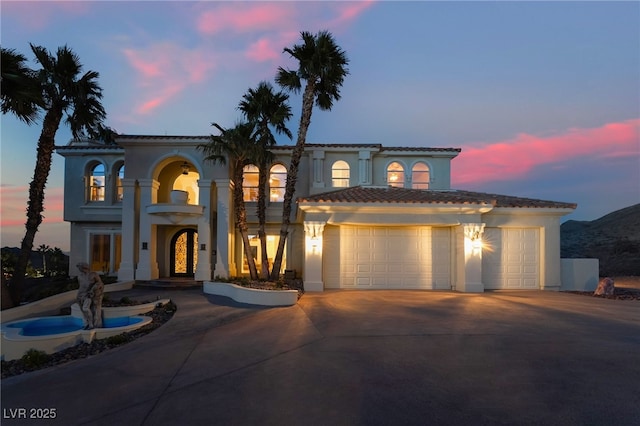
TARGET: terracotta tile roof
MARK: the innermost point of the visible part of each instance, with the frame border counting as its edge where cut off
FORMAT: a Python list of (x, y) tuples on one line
[(391, 195), (379, 147)]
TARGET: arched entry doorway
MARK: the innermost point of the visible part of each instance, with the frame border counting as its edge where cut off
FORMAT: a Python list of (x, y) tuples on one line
[(184, 253)]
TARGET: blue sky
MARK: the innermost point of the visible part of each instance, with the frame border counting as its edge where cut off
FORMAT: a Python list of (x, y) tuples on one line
[(542, 97)]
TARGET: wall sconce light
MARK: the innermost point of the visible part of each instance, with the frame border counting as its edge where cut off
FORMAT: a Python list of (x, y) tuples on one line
[(185, 168), (145, 246)]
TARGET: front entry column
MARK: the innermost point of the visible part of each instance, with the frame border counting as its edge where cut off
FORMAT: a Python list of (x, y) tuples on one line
[(469, 258), (312, 275), (224, 229), (203, 268), (147, 250), (126, 271)]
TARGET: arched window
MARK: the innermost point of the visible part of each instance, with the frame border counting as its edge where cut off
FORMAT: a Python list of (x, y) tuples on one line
[(277, 182), (420, 176), (395, 175), (96, 183), (340, 174), (250, 178), (119, 188)]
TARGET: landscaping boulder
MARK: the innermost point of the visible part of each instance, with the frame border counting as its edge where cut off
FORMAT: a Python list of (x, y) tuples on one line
[(605, 287)]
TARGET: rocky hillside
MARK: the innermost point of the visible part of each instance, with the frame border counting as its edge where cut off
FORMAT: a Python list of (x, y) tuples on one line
[(614, 239)]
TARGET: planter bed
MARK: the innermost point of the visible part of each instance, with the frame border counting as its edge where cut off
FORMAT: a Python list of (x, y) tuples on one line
[(252, 296)]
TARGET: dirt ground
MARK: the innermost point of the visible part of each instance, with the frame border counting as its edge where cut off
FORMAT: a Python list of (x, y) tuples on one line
[(627, 282)]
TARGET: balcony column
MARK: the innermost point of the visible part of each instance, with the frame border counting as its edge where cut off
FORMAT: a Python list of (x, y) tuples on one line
[(468, 238), (203, 268), (312, 275), (126, 271), (225, 266), (147, 248)]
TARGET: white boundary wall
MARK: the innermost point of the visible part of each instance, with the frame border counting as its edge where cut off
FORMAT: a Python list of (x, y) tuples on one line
[(579, 274)]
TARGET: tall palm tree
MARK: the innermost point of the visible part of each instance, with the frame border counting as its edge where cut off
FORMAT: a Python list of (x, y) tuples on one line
[(61, 91), (322, 64), (265, 109), (44, 249), (238, 145)]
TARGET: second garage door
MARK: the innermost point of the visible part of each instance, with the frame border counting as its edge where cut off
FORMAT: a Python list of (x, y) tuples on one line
[(511, 260), (387, 257)]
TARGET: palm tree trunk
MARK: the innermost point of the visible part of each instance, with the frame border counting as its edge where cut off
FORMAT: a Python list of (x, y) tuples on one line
[(35, 206), (262, 211), (292, 175), (241, 221)]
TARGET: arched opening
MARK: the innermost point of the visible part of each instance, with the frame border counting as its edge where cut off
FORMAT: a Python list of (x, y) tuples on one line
[(340, 174), (395, 175)]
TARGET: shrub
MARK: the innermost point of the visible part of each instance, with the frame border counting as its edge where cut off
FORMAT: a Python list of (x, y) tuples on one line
[(34, 358)]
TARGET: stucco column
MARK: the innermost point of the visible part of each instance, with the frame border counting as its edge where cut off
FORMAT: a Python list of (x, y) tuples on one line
[(224, 229), (469, 258), (126, 271), (147, 248), (312, 275), (203, 268), (318, 169), (364, 168), (550, 262)]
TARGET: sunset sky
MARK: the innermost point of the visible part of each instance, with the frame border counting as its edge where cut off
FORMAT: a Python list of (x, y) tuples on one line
[(542, 97)]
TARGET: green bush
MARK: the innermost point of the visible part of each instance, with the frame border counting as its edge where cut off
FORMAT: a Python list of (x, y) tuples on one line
[(34, 358), (118, 339)]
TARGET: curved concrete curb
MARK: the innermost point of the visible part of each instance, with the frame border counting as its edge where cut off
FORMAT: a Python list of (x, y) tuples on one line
[(252, 296)]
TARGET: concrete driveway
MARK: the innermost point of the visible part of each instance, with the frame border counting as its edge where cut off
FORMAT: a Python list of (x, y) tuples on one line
[(359, 358)]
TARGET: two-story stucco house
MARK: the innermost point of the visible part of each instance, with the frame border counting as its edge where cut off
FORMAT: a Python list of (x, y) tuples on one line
[(366, 217)]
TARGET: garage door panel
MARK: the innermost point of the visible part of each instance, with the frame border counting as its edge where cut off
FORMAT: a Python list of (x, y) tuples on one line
[(389, 257), (511, 262)]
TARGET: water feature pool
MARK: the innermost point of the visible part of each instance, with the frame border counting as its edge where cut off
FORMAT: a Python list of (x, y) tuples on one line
[(47, 326), (53, 334)]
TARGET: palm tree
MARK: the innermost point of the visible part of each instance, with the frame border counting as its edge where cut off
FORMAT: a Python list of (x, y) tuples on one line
[(265, 109), (19, 92), (61, 91), (238, 145), (44, 250), (322, 64)]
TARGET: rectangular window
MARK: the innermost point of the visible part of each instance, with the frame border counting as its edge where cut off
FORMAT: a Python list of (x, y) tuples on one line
[(272, 247), (105, 252)]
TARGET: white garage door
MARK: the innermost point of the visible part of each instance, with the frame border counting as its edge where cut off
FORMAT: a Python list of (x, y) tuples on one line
[(387, 257), (512, 260)]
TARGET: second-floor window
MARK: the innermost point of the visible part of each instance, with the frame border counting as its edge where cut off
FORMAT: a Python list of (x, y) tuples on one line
[(250, 178), (395, 175), (340, 174), (119, 188), (420, 176), (277, 182), (96, 183)]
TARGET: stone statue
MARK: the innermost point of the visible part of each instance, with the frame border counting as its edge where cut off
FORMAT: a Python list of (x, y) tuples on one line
[(90, 296)]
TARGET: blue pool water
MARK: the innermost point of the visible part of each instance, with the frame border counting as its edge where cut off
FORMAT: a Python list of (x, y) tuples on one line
[(64, 324)]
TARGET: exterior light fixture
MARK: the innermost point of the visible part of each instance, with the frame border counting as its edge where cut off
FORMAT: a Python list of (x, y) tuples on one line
[(185, 168)]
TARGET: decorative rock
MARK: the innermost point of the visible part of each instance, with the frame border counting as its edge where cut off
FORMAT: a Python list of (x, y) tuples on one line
[(606, 287)]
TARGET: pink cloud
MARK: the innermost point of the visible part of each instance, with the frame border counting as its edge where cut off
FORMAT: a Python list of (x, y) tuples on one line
[(37, 16), (164, 70), (515, 158), (349, 11), (264, 50), (14, 205), (245, 17)]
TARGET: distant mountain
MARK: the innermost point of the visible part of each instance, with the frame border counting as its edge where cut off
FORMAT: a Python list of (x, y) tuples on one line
[(614, 239)]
